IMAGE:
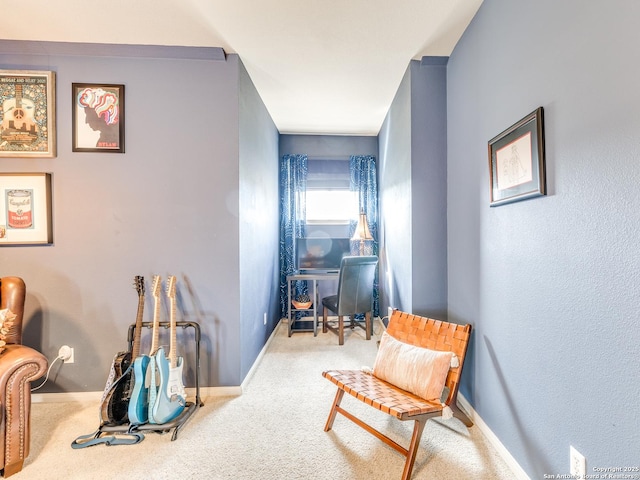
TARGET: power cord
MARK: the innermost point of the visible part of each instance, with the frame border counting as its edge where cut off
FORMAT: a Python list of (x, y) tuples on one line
[(382, 326), (59, 357)]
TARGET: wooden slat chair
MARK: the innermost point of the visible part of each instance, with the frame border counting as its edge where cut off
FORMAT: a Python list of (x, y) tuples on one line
[(401, 404)]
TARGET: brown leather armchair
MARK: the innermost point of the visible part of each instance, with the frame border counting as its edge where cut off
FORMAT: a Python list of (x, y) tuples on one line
[(19, 365)]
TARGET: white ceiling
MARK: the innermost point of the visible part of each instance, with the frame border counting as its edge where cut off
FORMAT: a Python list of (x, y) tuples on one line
[(320, 66)]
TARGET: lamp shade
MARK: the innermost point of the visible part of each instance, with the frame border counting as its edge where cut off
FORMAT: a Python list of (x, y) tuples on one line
[(362, 229)]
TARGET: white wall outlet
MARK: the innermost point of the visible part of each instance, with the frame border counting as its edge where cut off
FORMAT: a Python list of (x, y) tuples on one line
[(66, 353), (577, 463), (265, 318)]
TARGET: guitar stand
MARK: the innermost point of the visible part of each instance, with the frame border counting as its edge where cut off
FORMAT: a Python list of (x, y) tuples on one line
[(128, 437), (130, 434), (190, 407)]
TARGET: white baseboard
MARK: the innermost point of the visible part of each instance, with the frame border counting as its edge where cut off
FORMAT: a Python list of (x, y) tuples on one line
[(515, 467), (261, 354), (79, 397), (95, 397)]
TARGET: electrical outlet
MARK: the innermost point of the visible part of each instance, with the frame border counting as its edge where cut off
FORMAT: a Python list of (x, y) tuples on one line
[(66, 353), (577, 463), (265, 318)]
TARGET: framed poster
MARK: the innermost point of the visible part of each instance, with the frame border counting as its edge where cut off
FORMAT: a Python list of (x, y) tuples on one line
[(25, 209), (98, 117), (27, 127), (517, 161)]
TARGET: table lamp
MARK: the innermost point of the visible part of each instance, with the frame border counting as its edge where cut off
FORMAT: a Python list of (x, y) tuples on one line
[(362, 232)]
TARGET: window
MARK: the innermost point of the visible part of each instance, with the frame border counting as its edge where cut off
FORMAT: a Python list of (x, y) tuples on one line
[(331, 206), (329, 199)]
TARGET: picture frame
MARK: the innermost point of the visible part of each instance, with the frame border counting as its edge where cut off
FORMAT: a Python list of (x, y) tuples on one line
[(27, 107), (97, 117), (25, 209), (517, 161)]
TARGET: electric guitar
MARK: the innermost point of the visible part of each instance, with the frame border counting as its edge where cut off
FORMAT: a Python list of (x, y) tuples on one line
[(171, 398), (117, 391), (151, 371), (138, 401)]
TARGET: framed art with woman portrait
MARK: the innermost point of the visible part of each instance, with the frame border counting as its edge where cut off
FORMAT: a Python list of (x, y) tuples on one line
[(98, 117)]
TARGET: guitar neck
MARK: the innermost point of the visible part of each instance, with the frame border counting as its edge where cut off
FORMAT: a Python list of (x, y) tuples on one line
[(156, 326), (135, 350), (173, 357), (138, 283), (156, 315)]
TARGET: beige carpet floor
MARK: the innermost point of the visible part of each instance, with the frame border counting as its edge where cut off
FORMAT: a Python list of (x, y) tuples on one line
[(274, 430)]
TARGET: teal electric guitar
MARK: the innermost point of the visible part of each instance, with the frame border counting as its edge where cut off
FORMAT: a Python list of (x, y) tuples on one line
[(151, 377), (171, 396), (139, 400)]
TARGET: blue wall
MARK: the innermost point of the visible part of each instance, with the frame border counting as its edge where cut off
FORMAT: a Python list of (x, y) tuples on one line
[(429, 187), (259, 225), (328, 146), (551, 284), (179, 201), (413, 154), (395, 197)]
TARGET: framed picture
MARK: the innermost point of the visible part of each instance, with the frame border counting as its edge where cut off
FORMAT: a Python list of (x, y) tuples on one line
[(98, 117), (28, 113), (25, 209), (517, 162)]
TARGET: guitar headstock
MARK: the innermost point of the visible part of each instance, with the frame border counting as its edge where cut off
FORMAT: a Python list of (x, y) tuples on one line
[(138, 283), (156, 286), (171, 286)]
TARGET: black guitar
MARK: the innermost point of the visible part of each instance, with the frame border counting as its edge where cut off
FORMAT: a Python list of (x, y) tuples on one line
[(117, 391)]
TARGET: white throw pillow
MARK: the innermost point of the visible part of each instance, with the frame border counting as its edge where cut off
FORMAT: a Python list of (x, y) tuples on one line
[(418, 370)]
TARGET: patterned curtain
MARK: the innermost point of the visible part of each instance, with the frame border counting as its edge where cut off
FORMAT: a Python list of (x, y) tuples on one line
[(293, 186), (364, 183)]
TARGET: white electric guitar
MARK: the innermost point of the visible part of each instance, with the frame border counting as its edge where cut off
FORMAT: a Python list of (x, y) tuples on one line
[(171, 396)]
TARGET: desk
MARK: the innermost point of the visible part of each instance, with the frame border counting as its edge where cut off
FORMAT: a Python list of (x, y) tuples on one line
[(314, 278)]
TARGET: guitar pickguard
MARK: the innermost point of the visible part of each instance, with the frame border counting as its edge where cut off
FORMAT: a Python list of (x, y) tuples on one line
[(171, 398)]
